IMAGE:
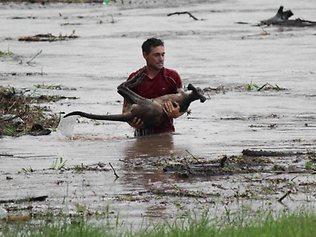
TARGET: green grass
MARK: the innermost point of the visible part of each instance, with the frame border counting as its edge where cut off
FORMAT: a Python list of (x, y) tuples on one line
[(287, 225), (5, 53), (310, 165)]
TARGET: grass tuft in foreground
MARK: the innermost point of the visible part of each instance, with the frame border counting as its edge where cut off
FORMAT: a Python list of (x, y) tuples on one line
[(287, 225)]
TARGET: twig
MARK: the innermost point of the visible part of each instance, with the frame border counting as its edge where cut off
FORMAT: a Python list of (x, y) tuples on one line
[(284, 196), (116, 176), (7, 155), (262, 87), (39, 52), (294, 178), (222, 161), (13, 104), (180, 13), (193, 156)]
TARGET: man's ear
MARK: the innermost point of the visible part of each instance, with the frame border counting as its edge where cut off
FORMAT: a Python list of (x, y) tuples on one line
[(145, 55)]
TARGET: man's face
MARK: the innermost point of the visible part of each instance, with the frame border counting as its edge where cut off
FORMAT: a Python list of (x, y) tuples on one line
[(155, 59)]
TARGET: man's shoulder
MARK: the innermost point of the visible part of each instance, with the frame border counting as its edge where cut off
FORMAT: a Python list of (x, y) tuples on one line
[(136, 72), (173, 76), (171, 73)]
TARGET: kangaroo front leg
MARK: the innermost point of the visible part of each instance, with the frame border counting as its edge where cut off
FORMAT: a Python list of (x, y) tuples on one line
[(129, 95)]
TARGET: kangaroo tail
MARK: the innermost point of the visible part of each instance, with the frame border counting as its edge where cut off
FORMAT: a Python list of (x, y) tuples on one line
[(115, 117)]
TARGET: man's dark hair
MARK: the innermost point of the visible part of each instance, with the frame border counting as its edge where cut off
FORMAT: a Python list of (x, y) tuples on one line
[(149, 43)]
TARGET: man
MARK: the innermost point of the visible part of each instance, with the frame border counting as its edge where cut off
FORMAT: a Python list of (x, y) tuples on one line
[(156, 81)]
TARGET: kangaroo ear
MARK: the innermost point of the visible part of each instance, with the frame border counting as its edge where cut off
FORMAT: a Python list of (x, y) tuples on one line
[(280, 11), (191, 87), (198, 92)]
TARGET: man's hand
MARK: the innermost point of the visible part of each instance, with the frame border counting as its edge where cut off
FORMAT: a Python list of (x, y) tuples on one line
[(137, 123), (173, 109)]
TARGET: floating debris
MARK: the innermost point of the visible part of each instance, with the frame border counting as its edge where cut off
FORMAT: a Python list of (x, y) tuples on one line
[(255, 153), (92, 167), (27, 199), (54, 87), (181, 13), (266, 87), (180, 192), (20, 74), (19, 115), (221, 89), (250, 161), (48, 37), (39, 130), (282, 19)]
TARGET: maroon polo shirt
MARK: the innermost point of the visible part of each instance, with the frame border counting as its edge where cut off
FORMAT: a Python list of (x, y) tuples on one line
[(167, 81)]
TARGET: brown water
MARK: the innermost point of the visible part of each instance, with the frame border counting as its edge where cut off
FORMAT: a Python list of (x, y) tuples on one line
[(208, 53)]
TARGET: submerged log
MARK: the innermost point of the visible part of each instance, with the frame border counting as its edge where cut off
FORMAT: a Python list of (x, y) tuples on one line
[(282, 19)]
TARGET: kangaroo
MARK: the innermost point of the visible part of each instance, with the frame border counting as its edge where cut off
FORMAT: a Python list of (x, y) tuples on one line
[(151, 111)]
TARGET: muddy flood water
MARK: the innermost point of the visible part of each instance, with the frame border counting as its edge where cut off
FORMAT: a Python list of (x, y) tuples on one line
[(200, 167)]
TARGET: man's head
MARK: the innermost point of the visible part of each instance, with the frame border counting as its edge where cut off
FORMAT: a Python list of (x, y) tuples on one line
[(154, 53)]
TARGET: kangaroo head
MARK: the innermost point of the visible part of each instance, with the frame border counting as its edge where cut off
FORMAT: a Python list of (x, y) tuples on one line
[(197, 93)]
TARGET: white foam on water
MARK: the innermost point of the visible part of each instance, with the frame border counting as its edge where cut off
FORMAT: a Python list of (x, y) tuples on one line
[(66, 126)]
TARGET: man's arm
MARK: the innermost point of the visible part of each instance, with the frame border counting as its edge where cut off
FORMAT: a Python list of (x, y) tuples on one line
[(173, 109), (136, 123)]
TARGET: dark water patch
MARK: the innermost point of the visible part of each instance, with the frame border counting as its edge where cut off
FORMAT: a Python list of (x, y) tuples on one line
[(23, 17), (258, 153), (242, 23), (309, 95), (70, 24), (28, 199)]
